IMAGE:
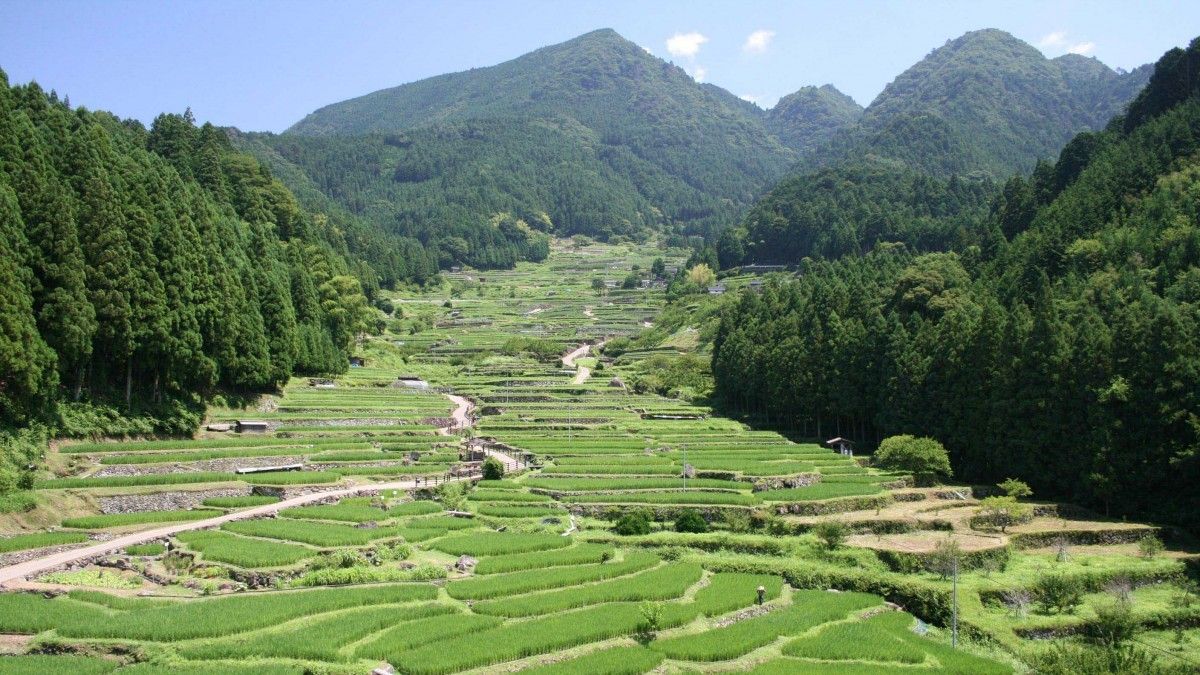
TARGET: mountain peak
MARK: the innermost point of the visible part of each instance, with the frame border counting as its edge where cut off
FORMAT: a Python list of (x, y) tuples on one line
[(811, 116)]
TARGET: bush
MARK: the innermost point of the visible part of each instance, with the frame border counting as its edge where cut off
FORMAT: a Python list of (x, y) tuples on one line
[(1017, 489), (944, 558), (691, 521), (633, 522), (1004, 511), (492, 469), (925, 458), (1150, 546), (648, 628), (1055, 592), (1114, 624), (831, 533)]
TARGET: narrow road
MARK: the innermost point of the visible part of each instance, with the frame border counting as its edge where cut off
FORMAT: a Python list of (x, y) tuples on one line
[(582, 373), (33, 567)]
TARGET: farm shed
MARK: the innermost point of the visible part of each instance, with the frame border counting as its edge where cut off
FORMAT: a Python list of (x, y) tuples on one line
[(252, 427), (844, 446), (357, 362)]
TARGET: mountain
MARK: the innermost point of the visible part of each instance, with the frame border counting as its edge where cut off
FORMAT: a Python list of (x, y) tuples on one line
[(922, 163), (591, 136), (985, 101), (808, 118)]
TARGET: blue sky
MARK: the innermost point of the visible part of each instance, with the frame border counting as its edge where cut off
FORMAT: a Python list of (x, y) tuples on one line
[(262, 65)]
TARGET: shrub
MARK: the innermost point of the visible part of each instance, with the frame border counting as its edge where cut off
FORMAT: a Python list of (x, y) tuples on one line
[(1114, 624), (633, 522), (648, 629), (145, 549), (946, 555), (736, 520), (1018, 489), (1059, 593), (492, 469), (1150, 546), (1004, 511), (691, 521), (925, 458), (831, 533)]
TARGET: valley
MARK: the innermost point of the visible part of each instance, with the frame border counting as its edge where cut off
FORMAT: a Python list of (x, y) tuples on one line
[(629, 532)]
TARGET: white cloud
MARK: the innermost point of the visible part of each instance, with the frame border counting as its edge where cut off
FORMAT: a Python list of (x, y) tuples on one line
[(646, 49), (758, 41), (1058, 43), (1053, 40), (749, 98), (685, 44), (699, 73)]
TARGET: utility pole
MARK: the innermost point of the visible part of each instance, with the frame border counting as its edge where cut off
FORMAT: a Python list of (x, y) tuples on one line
[(954, 609)]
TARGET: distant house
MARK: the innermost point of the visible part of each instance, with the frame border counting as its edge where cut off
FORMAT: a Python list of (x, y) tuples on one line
[(411, 381), (844, 446), (455, 268), (719, 289), (357, 362), (252, 427), (756, 285), (610, 283)]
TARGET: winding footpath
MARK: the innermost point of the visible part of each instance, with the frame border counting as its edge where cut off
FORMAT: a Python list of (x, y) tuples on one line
[(582, 373), (29, 568)]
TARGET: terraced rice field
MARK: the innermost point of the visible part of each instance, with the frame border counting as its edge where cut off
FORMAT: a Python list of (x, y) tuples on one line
[(520, 574)]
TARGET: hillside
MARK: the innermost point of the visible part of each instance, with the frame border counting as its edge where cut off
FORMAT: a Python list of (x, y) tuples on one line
[(1050, 352), (142, 269), (985, 101), (590, 136)]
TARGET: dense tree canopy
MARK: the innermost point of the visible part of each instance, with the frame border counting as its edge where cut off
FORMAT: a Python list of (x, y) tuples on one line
[(137, 264)]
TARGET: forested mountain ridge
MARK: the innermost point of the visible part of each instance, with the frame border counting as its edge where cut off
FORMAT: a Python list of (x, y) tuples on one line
[(140, 267), (1063, 349), (591, 136), (985, 101), (808, 118)]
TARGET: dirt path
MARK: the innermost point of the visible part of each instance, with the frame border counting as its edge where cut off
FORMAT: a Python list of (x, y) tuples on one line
[(582, 373), (38, 565), (461, 415)]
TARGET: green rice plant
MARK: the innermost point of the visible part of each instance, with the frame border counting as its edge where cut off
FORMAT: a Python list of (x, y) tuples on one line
[(144, 446), (200, 455), (495, 543), (325, 535), (230, 614), (663, 583), (350, 456), (496, 585), (218, 546), (319, 639), (574, 555), (22, 542), (242, 667), (612, 661), (139, 518), (442, 522), (493, 495), (725, 592), (516, 640), (413, 634), (239, 502), (116, 601), (410, 470), (135, 481), (870, 640), (597, 484), (667, 497), (27, 613), (808, 610), (789, 666), (40, 664), (348, 510), (609, 469), (519, 511), (820, 491), (417, 508), (291, 477), (342, 576), (145, 549)]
